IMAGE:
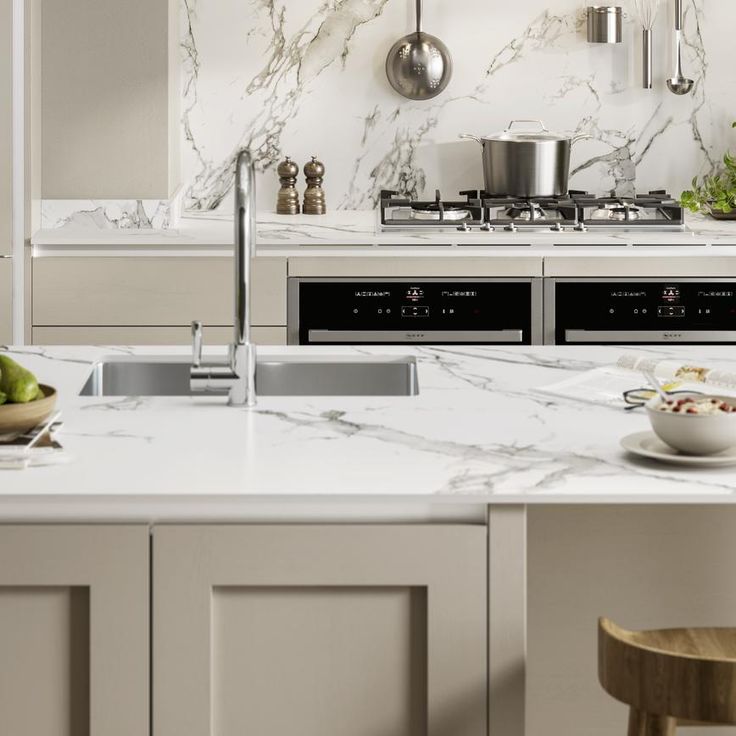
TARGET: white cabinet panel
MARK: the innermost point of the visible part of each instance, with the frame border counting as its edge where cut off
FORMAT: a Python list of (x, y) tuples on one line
[(6, 301), (6, 126)]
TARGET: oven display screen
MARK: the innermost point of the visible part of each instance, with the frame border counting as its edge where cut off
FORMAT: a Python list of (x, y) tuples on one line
[(415, 306)]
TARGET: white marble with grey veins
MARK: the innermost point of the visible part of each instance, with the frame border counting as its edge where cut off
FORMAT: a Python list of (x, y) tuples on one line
[(303, 77), (477, 434), (341, 230), (69, 214)]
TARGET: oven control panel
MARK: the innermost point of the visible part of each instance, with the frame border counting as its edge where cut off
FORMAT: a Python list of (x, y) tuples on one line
[(684, 311), (421, 311)]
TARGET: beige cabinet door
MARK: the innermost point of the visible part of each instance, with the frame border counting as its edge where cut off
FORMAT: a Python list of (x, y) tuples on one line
[(74, 631), (152, 291), (109, 98), (319, 630)]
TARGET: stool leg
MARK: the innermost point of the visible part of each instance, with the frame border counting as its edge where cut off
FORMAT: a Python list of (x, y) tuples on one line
[(661, 725), (648, 724), (637, 722)]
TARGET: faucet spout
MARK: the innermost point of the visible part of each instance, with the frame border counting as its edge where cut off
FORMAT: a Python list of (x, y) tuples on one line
[(240, 375), (243, 352), (245, 230)]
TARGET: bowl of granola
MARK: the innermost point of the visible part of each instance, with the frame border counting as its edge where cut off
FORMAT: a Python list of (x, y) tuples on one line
[(695, 424)]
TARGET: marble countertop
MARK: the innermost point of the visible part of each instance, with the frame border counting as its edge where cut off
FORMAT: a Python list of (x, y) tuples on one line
[(476, 434), (359, 228)]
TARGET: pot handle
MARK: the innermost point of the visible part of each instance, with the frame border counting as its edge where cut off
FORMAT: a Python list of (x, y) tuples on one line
[(470, 136), (581, 137), (541, 125)]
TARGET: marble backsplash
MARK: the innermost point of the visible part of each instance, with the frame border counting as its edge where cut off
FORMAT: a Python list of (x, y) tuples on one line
[(306, 77)]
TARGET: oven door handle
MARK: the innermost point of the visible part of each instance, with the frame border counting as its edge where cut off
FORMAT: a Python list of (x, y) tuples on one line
[(416, 336), (649, 336)]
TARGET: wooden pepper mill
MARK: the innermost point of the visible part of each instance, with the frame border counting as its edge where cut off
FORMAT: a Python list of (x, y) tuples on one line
[(288, 197), (314, 197)]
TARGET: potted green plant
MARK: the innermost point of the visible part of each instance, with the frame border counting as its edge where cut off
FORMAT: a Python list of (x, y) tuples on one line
[(715, 194)]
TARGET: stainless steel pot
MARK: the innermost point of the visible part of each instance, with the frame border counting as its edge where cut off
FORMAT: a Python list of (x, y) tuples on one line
[(526, 163)]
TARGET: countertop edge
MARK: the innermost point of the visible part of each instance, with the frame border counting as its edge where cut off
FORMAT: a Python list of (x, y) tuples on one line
[(386, 508)]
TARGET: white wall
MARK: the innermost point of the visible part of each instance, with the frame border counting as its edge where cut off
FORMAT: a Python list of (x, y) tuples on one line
[(303, 77)]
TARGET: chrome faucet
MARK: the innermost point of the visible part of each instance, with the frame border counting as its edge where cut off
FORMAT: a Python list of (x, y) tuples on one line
[(238, 375)]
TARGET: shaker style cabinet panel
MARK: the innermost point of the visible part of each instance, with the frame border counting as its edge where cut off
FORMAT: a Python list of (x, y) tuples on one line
[(319, 630), (6, 127), (109, 98), (74, 630), (152, 292), (6, 301)]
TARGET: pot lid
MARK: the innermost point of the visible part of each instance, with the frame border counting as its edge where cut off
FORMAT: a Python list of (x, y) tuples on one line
[(534, 132)]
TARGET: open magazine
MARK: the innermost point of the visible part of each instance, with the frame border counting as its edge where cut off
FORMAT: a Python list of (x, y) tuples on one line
[(606, 385)]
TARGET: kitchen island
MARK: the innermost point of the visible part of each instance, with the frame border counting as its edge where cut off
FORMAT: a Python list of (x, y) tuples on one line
[(419, 493), (477, 433)]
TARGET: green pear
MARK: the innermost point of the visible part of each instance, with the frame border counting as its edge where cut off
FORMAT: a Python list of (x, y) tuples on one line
[(18, 384)]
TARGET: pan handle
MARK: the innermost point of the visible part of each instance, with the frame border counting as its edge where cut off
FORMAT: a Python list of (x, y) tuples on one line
[(541, 125), (471, 137)]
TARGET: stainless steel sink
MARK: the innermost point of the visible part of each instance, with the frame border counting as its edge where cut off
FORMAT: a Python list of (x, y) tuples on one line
[(323, 376)]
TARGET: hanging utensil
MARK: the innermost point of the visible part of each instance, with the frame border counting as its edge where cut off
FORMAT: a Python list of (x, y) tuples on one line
[(605, 23), (419, 66), (679, 84), (647, 11)]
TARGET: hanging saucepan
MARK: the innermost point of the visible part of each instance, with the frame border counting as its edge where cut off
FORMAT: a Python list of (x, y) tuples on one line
[(526, 163)]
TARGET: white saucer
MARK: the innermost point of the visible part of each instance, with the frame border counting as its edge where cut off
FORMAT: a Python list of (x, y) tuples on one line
[(647, 444)]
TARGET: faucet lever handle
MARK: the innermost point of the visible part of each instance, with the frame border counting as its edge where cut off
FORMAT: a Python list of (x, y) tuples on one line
[(197, 339)]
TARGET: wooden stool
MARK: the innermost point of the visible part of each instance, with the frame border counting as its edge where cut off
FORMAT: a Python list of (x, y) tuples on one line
[(669, 677)]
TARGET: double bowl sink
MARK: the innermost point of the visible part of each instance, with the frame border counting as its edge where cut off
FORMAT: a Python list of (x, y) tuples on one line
[(288, 376)]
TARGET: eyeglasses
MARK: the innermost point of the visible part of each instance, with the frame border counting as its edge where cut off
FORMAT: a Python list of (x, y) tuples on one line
[(639, 396)]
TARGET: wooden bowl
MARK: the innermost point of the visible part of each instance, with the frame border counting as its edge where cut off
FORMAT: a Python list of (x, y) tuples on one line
[(16, 419)]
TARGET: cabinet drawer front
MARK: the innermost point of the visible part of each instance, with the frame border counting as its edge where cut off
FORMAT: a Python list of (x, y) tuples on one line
[(320, 630), (166, 291), (149, 335)]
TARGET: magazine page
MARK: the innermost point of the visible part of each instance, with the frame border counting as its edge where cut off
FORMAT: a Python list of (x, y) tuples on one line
[(674, 369), (607, 384)]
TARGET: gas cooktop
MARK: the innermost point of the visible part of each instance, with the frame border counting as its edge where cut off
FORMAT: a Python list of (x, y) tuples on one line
[(577, 211)]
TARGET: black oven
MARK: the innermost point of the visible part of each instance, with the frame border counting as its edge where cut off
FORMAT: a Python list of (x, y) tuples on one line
[(434, 311), (640, 311)]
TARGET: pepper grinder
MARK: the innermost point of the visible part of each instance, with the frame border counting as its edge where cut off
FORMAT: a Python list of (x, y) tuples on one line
[(314, 197), (288, 197)]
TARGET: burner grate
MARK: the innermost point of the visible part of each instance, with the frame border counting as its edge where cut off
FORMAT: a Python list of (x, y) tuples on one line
[(579, 210), (397, 211)]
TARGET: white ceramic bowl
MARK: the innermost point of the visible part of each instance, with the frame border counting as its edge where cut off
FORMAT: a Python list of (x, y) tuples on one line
[(694, 434)]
